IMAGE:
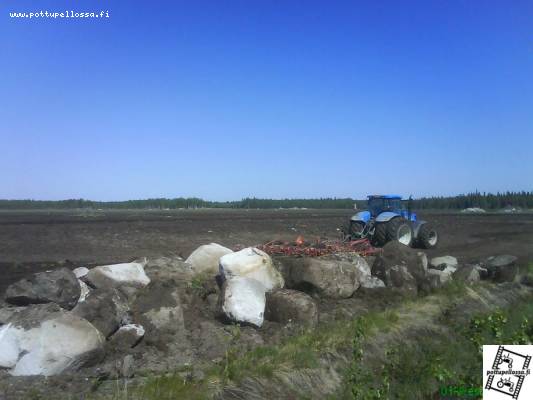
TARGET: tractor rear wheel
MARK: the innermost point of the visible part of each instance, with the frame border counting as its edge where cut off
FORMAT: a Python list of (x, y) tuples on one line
[(400, 229), (427, 237)]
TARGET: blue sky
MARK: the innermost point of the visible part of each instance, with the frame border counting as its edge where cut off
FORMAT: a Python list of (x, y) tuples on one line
[(228, 99)]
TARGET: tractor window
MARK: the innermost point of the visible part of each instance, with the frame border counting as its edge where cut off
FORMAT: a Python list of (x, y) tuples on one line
[(378, 205)]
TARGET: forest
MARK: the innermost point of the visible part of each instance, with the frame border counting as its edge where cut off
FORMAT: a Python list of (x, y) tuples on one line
[(487, 201)]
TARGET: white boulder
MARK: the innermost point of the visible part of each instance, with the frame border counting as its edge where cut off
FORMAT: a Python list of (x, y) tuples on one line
[(252, 263), (9, 347), (80, 272), (205, 258), (474, 210), (49, 346), (136, 329), (118, 275), (243, 299), (85, 290), (444, 262)]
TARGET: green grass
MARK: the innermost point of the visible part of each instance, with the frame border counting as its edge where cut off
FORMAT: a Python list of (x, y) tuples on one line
[(171, 387), (417, 369)]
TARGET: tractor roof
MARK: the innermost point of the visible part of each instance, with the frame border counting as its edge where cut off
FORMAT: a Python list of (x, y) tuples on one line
[(385, 196)]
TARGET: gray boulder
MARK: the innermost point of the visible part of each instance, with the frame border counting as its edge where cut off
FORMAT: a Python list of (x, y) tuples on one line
[(483, 272), (327, 276), (286, 305), (372, 282), (467, 273), (59, 286), (502, 268), (159, 310), (105, 309), (168, 268), (399, 277), (358, 261), (500, 261), (395, 254)]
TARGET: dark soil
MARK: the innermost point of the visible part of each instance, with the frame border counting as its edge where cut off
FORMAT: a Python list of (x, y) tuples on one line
[(39, 240)]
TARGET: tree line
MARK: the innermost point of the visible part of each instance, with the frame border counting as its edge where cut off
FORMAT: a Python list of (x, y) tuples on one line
[(487, 201)]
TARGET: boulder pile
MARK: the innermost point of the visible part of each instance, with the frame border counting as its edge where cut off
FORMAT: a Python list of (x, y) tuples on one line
[(159, 313), (56, 322)]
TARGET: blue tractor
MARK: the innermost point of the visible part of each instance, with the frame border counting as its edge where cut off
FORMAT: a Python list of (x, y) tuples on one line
[(388, 219)]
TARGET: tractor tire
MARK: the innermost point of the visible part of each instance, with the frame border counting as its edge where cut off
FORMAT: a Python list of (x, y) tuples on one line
[(400, 229), (355, 229), (345, 231), (380, 234), (351, 229), (428, 238)]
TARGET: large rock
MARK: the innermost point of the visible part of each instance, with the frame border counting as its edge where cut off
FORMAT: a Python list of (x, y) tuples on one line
[(359, 262), (327, 276), (396, 254), (159, 310), (286, 305), (105, 309), (46, 340), (251, 263), (168, 268), (438, 278), (205, 259), (372, 282), (500, 261), (59, 286), (467, 273), (443, 262), (242, 299), (399, 277), (502, 268), (127, 275)]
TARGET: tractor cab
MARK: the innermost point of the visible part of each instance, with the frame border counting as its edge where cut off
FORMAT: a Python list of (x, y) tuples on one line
[(390, 203)]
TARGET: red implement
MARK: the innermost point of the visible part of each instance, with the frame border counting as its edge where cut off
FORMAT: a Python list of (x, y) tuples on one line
[(320, 248)]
